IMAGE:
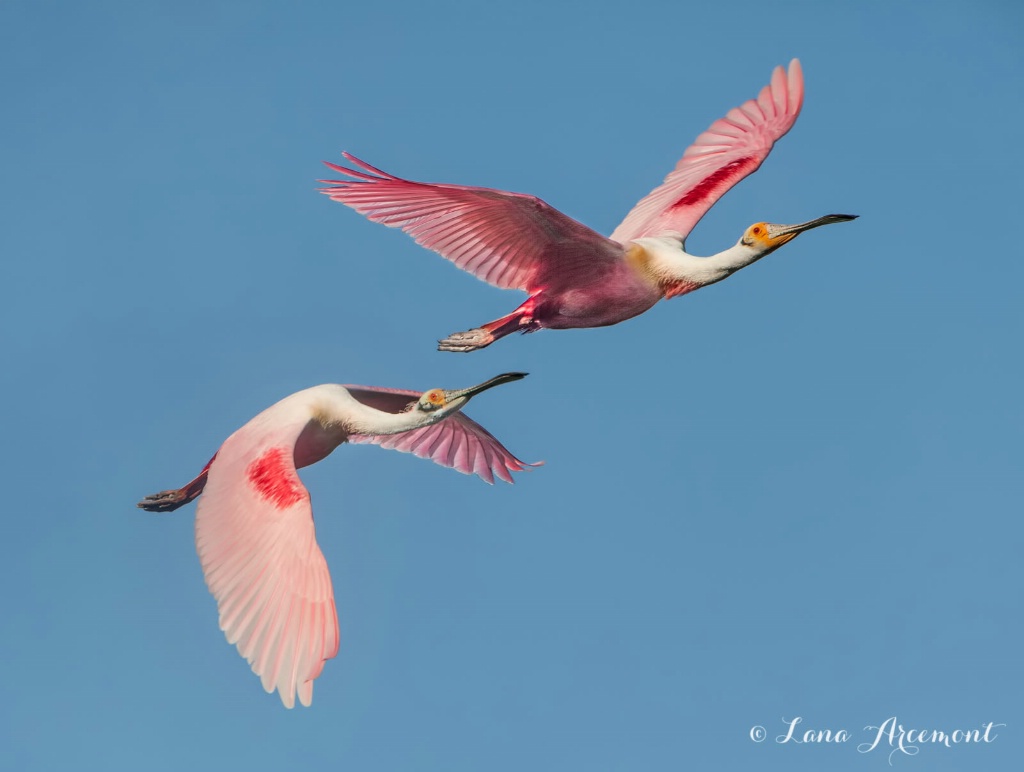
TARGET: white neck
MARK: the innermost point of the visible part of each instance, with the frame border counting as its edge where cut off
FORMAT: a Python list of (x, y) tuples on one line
[(329, 414), (670, 264), (360, 419)]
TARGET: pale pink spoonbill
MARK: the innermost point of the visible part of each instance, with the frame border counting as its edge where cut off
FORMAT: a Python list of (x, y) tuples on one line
[(254, 522), (576, 277)]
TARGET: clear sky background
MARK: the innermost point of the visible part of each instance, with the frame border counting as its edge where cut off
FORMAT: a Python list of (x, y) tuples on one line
[(796, 493)]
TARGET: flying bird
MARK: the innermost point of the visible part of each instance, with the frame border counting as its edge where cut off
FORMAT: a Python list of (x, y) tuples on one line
[(576, 277), (254, 521)]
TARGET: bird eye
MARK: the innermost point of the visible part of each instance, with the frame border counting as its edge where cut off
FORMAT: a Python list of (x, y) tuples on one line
[(432, 400), (757, 230)]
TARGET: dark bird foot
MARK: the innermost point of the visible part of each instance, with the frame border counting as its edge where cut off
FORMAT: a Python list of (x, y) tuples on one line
[(466, 341), (165, 501), (168, 501)]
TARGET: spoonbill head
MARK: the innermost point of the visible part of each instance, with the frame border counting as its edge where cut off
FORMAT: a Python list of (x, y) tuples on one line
[(254, 521), (765, 237), (574, 276), (442, 402)]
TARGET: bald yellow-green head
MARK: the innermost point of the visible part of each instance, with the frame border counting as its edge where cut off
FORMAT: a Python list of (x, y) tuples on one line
[(445, 402), (766, 236)]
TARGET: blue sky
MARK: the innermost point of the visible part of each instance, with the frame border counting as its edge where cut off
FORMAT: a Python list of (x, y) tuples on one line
[(796, 493)]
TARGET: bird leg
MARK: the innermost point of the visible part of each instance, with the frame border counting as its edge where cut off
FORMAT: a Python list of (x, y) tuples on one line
[(520, 320), (464, 342), (168, 501)]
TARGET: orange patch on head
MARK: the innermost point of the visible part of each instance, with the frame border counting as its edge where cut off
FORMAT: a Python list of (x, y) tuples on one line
[(435, 397), (759, 232)]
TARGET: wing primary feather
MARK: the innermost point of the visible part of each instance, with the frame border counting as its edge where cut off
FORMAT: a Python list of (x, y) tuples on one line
[(741, 140)]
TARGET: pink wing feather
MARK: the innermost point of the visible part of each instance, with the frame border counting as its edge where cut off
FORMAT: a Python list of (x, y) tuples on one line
[(458, 441), (732, 148), (257, 545), (510, 240)]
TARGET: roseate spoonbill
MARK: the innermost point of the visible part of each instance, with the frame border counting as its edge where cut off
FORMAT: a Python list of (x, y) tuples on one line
[(576, 277), (254, 522)]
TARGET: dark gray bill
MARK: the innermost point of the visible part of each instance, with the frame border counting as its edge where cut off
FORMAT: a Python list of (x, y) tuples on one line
[(774, 231), (497, 380)]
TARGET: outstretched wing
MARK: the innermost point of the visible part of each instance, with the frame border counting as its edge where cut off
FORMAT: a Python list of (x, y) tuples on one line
[(458, 441), (510, 240), (732, 148), (257, 546)]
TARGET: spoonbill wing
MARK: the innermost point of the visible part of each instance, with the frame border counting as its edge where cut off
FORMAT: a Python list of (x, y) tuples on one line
[(458, 441), (257, 546), (731, 148), (510, 240)]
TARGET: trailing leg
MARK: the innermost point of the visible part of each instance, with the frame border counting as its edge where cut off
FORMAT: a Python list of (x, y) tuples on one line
[(520, 320), (168, 501)]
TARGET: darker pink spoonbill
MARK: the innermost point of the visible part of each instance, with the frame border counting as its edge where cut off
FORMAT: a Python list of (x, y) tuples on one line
[(574, 276)]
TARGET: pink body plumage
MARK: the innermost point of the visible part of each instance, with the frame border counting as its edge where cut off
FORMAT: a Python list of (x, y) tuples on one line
[(575, 277)]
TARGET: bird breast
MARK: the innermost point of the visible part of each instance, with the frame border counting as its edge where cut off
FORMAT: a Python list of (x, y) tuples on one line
[(646, 264), (663, 261)]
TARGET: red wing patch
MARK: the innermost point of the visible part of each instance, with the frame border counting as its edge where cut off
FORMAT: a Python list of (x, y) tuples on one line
[(709, 184), (273, 476)]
